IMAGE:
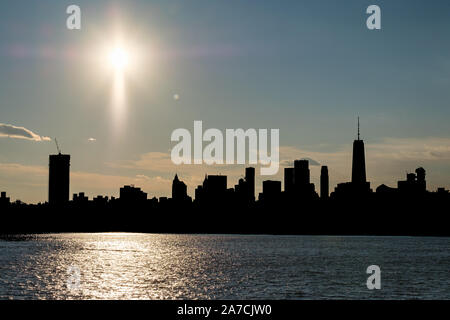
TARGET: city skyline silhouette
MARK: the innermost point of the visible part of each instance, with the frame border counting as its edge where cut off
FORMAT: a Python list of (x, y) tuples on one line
[(59, 178), (297, 199), (296, 178)]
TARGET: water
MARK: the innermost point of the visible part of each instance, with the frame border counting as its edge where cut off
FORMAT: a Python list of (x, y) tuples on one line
[(152, 266)]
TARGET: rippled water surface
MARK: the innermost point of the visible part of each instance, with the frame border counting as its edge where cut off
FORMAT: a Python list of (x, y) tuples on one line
[(151, 266)]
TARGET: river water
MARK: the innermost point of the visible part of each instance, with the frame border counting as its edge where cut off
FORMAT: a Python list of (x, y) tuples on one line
[(166, 266)]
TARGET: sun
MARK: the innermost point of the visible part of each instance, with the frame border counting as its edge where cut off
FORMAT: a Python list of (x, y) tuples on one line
[(119, 59)]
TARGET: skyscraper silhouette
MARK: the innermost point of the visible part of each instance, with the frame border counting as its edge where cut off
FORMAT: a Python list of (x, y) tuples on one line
[(179, 189), (288, 179), (4, 200), (213, 189), (301, 173), (420, 173), (359, 161), (250, 181), (59, 179), (324, 182), (215, 184), (271, 190), (302, 184), (359, 186)]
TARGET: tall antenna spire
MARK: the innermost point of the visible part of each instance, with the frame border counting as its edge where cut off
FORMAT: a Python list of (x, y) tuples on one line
[(57, 146), (358, 128)]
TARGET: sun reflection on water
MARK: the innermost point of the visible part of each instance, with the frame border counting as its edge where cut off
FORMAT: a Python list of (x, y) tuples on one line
[(151, 266)]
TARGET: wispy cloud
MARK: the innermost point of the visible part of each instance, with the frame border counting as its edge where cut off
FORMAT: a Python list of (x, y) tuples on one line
[(11, 131)]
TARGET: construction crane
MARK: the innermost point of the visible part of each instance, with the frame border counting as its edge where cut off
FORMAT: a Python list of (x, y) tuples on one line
[(57, 146)]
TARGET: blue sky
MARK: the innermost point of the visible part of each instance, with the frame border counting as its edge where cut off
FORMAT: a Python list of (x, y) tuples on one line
[(308, 68)]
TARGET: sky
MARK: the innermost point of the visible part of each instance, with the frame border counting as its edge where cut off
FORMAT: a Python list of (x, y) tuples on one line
[(307, 68)]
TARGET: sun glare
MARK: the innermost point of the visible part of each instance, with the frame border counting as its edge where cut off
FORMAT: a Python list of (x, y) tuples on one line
[(119, 59)]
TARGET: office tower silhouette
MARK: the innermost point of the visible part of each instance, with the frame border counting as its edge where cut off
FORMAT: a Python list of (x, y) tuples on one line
[(422, 184), (241, 188), (324, 182), (250, 182), (4, 200), (131, 194), (213, 189), (359, 161), (179, 189), (288, 180), (359, 186), (199, 194), (414, 183), (302, 185), (301, 173), (59, 179), (215, 184), (271, 190)]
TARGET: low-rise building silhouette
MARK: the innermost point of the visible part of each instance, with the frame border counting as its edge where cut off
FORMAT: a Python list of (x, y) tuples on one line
[(80, 198), (414, 185), (415, 182)]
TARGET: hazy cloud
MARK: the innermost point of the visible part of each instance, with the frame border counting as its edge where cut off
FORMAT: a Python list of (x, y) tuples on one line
[(290, 163), (29, 183), (10, 131), (387, 162)]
